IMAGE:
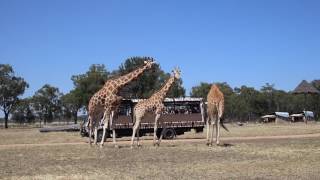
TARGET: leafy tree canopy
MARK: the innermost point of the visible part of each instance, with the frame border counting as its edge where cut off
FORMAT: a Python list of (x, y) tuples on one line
[(87, 84), (149, 82), (11, 87)]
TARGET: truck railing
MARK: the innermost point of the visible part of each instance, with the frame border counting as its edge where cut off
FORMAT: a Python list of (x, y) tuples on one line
[(162, 125)]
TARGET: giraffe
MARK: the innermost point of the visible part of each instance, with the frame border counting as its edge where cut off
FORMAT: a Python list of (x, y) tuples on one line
[(106, 101), (153, 104), (215, 107)]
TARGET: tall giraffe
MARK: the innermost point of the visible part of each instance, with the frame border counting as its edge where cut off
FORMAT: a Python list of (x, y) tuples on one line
[(215, 107), (153, 104), (106, 101)]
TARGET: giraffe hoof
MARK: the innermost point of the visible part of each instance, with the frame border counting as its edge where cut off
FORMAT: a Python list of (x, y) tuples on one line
[(116, 146), (208, 144)]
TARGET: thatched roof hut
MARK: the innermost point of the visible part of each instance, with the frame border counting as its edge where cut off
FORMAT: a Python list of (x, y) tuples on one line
[(305, 88)]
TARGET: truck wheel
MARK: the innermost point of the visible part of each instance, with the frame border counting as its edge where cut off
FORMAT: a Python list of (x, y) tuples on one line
[(169, 133), (100, 133), (82, 130), (82, 133)]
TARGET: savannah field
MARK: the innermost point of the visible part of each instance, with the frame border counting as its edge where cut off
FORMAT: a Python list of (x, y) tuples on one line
[(252, 151)]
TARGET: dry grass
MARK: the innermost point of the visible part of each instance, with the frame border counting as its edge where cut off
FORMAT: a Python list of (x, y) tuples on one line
[(249, 130), (265, 159), (31, 136)]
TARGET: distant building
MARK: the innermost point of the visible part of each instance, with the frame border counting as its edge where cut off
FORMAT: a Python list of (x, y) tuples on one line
[(303, 116), (280, 117), (276, 117)]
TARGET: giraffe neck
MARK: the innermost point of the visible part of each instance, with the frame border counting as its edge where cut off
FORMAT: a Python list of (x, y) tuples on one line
[(161, 94), (125, 79)]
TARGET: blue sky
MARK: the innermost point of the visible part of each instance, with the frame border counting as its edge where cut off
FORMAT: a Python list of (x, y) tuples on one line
[(240, 42)]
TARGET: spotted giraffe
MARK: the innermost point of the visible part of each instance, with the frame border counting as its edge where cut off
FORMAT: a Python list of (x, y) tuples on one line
[(153, 104), (106, 101), (215, 111)]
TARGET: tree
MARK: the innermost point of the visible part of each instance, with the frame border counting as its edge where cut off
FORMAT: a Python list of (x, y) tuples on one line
[(72, 102), (22, 112), (248, 96), (150, 81), (46, 103), (144, 86), (268, 91), (176, 90), (201, 90), (228, 97), (11, 87), (89, 83), (316, 100)]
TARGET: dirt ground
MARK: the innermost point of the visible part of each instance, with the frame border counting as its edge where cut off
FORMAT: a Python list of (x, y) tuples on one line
[(252, 151)]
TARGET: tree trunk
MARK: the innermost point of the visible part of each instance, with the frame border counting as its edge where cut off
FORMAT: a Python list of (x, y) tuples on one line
[(75, 117), (6, 117)]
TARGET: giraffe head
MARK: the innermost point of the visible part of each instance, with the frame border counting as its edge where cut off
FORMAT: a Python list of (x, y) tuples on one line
[(176, 73), (148, 63)]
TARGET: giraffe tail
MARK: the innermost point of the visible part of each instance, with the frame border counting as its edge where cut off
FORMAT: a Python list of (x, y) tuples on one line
[(222, 125)]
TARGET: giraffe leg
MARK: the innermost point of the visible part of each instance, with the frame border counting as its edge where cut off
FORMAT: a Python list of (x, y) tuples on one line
[(105, 127), (113, 130), (155, 129), (138, 136), (159, 140), (133, 135), (211, 126), (218, 130), (95, 135), (106, 118), (220, 112), (134, 130), (212, 132), (90, 131), (208, 131), (114, 138)]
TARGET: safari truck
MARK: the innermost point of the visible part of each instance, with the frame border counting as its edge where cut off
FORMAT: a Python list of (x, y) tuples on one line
[(180, 115)]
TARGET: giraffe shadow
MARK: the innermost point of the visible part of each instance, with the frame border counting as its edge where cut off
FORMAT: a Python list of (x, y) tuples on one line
[(225, 145), (171, 145)]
